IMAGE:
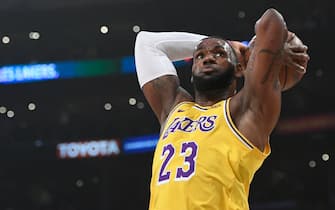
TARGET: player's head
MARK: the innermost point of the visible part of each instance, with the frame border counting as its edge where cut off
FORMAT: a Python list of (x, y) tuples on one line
[(215, 65)]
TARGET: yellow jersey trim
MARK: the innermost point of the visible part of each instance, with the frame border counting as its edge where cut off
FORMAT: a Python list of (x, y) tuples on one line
[(171, 113), (239, 135)]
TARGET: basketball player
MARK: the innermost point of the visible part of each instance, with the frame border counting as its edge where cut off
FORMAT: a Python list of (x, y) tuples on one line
[(211, 144)]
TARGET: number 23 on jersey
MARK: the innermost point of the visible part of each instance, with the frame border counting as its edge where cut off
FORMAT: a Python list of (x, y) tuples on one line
[(189, 151)]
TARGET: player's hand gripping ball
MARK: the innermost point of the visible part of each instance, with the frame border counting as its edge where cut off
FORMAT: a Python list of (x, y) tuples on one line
[(295, 61)]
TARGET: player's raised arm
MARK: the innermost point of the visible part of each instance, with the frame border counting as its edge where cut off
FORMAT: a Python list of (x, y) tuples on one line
[(295, 60), (154, 53), (256, 108)]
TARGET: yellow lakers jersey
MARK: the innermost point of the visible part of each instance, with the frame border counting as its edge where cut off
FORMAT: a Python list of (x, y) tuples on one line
[(202, 161)]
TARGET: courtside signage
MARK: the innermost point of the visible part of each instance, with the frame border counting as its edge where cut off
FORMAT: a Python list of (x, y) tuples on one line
[(89, 149)]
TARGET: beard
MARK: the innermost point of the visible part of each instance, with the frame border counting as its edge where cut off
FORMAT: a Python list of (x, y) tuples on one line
[(220, 81)]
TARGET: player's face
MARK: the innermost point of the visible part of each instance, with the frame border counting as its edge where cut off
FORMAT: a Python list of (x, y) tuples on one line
[(213, 65)]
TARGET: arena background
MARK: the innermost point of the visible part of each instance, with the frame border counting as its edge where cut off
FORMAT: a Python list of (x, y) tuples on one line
[(82, 138)]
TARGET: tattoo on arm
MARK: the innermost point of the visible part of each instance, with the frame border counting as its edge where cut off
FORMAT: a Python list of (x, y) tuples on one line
[(157, 83), (269, 71), (251, 63), (163, 84)]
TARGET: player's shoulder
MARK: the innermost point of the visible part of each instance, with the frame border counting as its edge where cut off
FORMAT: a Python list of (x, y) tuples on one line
[(182, 106)]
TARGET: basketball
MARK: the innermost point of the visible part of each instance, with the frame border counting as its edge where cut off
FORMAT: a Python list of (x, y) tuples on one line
[(289, 76)]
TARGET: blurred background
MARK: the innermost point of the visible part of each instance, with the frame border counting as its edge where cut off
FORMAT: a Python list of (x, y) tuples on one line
[(77, 133)]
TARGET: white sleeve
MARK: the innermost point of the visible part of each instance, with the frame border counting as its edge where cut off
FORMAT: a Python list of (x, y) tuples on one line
[(155, 51)]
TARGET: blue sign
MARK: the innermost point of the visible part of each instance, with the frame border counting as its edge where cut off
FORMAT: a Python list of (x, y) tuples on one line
[(20, 73), (140, 144)]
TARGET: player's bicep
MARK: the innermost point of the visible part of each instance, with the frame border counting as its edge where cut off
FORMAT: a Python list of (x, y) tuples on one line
[(262, 91), (163, 93)]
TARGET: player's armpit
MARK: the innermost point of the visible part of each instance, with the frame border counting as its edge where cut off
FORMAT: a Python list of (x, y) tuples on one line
[(261, 93)]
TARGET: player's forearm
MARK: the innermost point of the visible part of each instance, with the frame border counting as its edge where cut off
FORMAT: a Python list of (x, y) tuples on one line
[(271, 30), (154, 52), (267, 57)]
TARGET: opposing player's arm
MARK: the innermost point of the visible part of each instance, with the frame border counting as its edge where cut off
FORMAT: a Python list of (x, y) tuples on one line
[(259, 101), (154, 53)]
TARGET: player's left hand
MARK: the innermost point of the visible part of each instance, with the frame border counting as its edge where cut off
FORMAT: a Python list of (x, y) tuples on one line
[(241, 50)]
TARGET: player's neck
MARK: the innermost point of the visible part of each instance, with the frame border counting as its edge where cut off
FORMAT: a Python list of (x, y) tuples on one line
[(208, 98)]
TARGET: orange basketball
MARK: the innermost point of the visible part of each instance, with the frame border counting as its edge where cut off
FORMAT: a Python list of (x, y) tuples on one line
[(289, 76)]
